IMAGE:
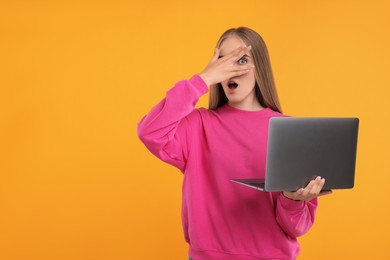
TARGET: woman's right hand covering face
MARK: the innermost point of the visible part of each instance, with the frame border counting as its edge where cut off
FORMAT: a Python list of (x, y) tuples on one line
[(222, 68)]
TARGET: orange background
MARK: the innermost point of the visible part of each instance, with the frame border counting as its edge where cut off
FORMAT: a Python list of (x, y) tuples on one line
[(76, 77)]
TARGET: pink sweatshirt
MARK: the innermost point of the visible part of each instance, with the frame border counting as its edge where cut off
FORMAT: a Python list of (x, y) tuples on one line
[(221, 219)]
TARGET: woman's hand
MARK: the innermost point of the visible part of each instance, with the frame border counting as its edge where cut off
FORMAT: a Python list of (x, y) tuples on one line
[(311, 191), (222, 69)]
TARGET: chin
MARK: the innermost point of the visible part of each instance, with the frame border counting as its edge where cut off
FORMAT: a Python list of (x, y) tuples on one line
[(233, 101)]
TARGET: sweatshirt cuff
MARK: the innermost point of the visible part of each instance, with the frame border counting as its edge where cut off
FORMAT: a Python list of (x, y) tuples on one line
[(199, 83), (289, 204)]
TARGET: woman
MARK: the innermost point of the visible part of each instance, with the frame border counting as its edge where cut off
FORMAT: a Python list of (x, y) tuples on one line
[(222, 220)]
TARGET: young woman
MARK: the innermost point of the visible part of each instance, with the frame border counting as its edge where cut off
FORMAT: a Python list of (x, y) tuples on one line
[(223, 220)]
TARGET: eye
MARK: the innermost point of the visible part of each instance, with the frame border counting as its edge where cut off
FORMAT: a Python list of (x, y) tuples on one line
[(242, 61)]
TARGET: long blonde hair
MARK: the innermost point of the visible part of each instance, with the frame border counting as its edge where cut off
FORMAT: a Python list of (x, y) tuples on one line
[(265, 86)]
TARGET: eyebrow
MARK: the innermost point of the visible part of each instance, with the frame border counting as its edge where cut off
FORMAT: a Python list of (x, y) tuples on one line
[(245, 56)]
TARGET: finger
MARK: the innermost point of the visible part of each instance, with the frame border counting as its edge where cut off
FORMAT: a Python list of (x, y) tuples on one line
[(311, 187), (321, 185), (241, 67), (241, 53), (237, 73), (237, 53), (308, 188), (216, 55), (318, 184), (232, 53)]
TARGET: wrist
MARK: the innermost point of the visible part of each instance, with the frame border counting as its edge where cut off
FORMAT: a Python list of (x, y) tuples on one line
[(289, 196), (205, 78)]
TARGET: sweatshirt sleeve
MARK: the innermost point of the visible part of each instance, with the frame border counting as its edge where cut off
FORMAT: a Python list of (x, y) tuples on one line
[(163, 129), (295, 217)]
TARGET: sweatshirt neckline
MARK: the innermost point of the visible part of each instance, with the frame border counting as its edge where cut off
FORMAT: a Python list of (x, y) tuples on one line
[(234, 110)]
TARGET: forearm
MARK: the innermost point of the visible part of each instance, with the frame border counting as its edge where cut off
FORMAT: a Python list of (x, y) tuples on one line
[(178, 103), (159, 129), (295, 217)]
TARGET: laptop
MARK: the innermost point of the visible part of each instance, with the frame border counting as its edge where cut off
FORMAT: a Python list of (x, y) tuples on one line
[(302, 148)]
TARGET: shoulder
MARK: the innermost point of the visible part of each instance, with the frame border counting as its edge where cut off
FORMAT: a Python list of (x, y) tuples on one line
[(199, 115), (202, 111)]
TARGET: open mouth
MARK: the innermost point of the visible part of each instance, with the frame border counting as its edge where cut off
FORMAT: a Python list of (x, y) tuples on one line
[(232, 85)]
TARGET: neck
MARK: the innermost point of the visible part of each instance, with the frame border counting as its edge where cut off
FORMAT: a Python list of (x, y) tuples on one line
[(249, 105)]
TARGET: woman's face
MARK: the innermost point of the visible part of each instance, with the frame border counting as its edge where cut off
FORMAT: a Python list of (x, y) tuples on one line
[(240, 90)]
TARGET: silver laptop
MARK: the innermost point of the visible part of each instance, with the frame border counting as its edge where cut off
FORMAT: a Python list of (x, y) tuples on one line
[(302, 148)]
